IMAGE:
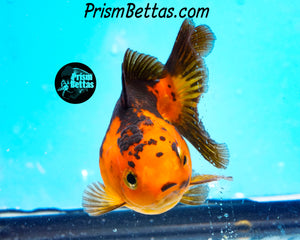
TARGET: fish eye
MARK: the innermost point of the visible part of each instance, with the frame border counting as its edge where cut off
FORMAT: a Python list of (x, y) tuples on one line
[(130, 180)]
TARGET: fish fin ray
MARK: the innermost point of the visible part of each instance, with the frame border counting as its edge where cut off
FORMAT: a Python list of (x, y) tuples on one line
[(206, 178), (97, 200), (187, 72), (196, 195), (140, 67), (198, 190), (138, 71)]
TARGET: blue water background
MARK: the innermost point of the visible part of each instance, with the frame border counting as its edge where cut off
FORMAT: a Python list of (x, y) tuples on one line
[(49, 148)]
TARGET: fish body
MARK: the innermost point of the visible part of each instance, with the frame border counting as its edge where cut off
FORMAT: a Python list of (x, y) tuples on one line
[(144, 161), (136, 169)]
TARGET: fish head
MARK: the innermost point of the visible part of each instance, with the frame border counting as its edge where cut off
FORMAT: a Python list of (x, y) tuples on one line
[(157, 171)]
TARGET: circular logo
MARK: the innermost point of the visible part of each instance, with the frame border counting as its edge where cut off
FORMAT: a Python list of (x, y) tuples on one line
[(75, 83)]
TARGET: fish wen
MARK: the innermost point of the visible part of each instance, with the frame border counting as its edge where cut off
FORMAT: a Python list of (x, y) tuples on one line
[(144, 160)]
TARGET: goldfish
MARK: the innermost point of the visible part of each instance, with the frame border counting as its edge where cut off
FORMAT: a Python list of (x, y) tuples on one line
[(144, 160)]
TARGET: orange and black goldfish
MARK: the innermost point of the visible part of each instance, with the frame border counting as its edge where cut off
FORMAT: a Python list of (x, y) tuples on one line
[(144, 161)]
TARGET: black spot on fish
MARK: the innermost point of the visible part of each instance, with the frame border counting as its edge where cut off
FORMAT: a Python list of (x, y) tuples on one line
[(130, 153), (101, 150), (136, 156), (159, 154), (184, 160), (167, 186), (162, 138), (156, 91), (139, 148), (174, 148), (173, 96), (131, 164), (148, 122), (152, 141), (164, 129), (129, 136), (139, 96), (169, 86), (131, 129)]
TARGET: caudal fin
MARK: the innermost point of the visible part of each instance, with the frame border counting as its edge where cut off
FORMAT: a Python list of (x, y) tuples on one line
[(185, 82)]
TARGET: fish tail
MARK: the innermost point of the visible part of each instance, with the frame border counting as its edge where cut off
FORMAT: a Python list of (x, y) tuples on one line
[(188, 74)]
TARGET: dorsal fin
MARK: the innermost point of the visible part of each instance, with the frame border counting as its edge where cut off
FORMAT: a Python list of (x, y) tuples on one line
[(184, 83), (138, 68)]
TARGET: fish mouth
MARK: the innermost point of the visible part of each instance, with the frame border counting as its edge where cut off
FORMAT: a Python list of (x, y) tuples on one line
[(162, 205), (168, 201)]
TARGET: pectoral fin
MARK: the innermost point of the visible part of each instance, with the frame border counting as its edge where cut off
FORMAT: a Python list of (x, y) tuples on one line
[(201, 179), (98, 200), (198, 190), (196, 195)]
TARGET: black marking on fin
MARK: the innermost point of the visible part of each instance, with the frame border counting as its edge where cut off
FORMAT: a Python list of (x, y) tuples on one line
[(187, 68), (140, 67)]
